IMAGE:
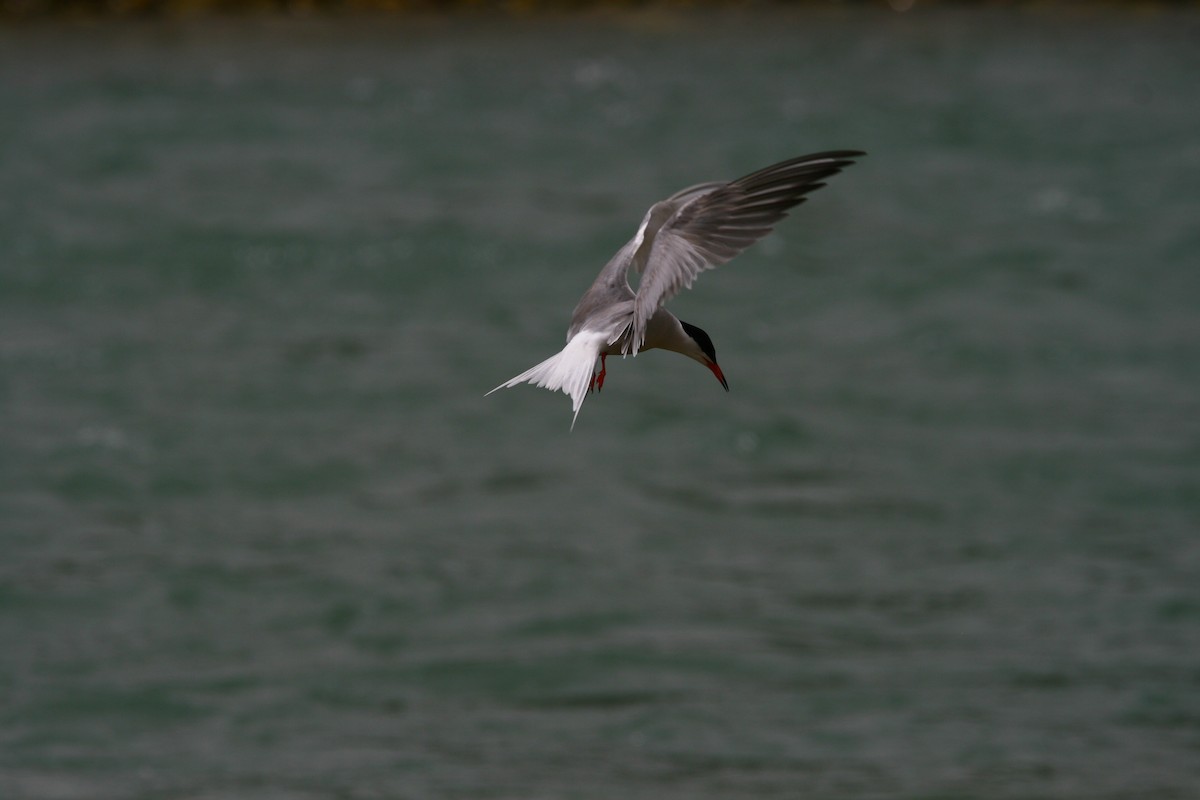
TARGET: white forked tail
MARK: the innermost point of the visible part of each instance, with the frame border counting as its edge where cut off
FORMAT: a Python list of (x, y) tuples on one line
[(569, 371)]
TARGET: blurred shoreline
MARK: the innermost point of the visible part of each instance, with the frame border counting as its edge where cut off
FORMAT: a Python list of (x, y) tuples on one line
[(133, 9)]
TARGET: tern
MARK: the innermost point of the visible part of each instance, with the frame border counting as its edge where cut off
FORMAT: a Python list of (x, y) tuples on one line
[(693, 230)]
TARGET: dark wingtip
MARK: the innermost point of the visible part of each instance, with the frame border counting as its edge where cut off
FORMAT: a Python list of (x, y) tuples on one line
[(840, 158)]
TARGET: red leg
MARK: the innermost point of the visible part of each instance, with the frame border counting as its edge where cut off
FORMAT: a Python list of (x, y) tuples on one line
[(599, 379)]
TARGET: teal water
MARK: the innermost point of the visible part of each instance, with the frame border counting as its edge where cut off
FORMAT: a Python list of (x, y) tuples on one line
[(262, 536)]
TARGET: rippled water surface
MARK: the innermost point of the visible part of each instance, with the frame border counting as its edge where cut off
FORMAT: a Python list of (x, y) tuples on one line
[(263, 537)]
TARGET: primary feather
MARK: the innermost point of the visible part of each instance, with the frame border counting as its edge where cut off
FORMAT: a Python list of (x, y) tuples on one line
[(707, 225)]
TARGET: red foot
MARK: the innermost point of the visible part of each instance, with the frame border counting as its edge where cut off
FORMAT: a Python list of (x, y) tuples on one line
[(599, 379)]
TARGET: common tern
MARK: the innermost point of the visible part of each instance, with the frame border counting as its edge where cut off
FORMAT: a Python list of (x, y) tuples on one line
[(693, 230)]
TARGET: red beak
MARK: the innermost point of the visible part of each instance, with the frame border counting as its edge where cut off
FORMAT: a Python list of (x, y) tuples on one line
[(716, 370)]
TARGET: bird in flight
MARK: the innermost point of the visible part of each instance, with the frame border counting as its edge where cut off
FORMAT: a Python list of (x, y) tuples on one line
[(693, 230)]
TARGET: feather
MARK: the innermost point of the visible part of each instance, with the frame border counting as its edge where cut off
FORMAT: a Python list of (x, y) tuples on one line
[(569, 371)]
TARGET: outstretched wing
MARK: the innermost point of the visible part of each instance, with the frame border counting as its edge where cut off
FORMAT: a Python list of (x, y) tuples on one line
[(706, 225)]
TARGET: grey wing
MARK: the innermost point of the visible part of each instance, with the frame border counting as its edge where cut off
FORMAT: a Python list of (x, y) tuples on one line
[(608, 304), (707, 225)]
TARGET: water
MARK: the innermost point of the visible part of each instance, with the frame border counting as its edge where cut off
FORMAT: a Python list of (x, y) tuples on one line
[(263, 536)]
